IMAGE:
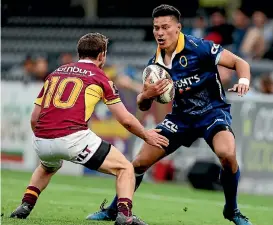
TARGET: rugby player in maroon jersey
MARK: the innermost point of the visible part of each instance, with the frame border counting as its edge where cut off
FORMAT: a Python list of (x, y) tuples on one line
[(60, 125)]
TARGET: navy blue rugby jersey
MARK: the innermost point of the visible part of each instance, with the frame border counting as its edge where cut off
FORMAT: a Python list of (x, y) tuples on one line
[(198, 88)]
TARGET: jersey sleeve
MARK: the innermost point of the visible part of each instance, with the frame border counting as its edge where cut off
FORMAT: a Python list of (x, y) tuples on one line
[(41, 95), (209, 52), (110, 92)]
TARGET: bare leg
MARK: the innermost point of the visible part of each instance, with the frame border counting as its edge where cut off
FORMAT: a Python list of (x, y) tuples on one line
[(38, 182), (224, 148), (144, 160), (116, 164), (147, 156), (41, 177)]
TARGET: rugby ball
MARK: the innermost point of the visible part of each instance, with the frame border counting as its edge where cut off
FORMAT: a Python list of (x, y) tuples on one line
[(157, 73)]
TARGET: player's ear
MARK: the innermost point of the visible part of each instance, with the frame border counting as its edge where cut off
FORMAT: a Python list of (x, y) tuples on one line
[(104, 54), (179, 27), (100, 56)]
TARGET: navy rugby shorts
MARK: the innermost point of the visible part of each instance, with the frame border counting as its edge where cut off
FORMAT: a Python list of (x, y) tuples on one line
[(184, 130)]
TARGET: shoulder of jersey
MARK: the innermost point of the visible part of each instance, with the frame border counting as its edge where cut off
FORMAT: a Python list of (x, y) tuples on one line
[(96, 70), (151, 60), (46, 77), (192, 42), (100, 72)]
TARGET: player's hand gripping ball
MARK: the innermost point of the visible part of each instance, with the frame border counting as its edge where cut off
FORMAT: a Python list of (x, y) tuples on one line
[(155, 74)]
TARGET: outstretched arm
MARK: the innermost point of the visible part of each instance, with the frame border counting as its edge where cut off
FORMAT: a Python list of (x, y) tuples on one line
[(132, 124)]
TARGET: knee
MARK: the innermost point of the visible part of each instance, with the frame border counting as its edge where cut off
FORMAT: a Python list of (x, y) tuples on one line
[(49, 171), (128, 167), (139, 168), (226, 154)]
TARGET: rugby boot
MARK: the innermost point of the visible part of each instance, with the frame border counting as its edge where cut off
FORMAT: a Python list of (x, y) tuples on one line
[(236, 217), (22, 211), (128, 220), (137, 221), (107, 214)]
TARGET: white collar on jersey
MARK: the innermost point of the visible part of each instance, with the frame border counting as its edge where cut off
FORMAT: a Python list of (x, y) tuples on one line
[(86, 61)]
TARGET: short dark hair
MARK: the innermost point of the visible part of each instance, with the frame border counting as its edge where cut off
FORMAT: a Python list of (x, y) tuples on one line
[(166, 10), (90, 45)]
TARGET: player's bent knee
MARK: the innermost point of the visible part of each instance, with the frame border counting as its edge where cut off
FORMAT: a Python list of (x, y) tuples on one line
[(147, 157), (139, 168), (127, 167), (226, 153)]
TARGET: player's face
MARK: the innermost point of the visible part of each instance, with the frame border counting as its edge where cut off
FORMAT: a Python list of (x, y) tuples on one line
[(166, 31)]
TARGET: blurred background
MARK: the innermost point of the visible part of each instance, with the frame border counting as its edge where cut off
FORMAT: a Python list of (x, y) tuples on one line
[(38, 36)]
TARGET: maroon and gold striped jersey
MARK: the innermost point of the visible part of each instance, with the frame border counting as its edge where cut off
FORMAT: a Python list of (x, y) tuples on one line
[(69, 96)]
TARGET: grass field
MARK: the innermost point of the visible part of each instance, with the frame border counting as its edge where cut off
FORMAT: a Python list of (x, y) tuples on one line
[(68, 200)]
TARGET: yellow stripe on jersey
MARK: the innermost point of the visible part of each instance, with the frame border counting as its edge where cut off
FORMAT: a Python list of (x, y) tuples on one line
[(181, 43), (39, 101), (180, 46), (111, 102), (93, 94)]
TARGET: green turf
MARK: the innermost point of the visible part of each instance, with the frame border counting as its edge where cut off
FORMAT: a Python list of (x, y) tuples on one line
[(68, 200)]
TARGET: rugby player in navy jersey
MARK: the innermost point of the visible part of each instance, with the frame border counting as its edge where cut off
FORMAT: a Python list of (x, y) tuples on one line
[(199, 109)]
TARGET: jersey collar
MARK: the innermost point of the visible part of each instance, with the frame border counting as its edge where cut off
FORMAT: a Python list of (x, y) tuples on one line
[(85, 61), (180, 46)]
